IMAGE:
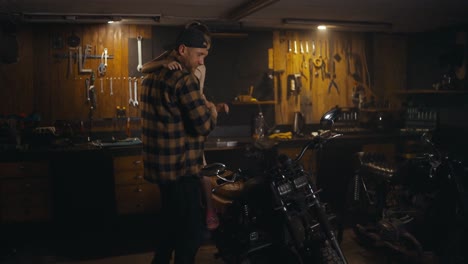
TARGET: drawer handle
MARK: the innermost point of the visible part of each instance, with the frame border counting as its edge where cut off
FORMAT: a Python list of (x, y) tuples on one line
[(139, 190), (139, 177), (137, 162)]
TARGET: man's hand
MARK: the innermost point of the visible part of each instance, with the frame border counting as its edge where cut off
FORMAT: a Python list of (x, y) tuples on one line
[(222, 107), (210, 104), (212, 108), (173, 65)]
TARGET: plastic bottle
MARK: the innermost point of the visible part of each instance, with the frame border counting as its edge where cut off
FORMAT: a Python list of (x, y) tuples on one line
[(259, 129)]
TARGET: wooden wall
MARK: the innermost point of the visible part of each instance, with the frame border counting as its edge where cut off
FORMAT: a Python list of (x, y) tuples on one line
[(357, 62), (40, 81)]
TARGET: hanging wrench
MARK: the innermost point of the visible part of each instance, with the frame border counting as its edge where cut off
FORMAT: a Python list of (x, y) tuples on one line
[(105, 57), (102, 68), (87, 90), (135, 86), (130, 101), (140, 65), (110, 84)]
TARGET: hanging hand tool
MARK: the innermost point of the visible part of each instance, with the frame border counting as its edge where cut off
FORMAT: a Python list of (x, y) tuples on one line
[(135, 94), (102, 85), (140, 64), (311, 72), (82, 60), (311, 79), (327, 59), (278, 74), (71, 55), (332, 80), (336, 54), (130, 100), (92, 79), (102, 68), (87, 51), (87, 90), (110, 84), (313, 47), (92, 97), (304, 63), (318, 62), (348, 56), (294, 86)]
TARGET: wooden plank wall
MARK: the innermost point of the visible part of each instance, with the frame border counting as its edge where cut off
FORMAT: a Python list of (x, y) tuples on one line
[(16, 80), (350, 53), (40, 82), (390, 68)]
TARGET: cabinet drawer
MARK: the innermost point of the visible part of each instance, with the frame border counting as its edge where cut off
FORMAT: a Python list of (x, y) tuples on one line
[(11, 187), (24, 169), (128, 163), (142, 198), (22, 207), (25, 214), (129, 177), (38, 199)]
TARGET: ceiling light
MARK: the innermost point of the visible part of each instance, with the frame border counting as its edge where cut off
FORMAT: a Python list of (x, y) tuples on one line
[(322, 27), (91, 18), (115, 19), (340, 24)]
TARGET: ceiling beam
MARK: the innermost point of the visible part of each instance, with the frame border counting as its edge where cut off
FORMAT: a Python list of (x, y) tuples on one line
[(248, 8)]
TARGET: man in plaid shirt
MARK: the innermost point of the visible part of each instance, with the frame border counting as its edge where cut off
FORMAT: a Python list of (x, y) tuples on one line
[(176, 119)]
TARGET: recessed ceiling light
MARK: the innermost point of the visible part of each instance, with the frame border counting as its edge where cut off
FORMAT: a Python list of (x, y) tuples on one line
[(322, 27)]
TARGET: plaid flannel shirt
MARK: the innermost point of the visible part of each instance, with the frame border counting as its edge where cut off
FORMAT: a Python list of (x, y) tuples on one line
[(175, 123)]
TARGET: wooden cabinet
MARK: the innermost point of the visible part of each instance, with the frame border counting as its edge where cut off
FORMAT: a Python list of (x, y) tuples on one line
[(133, 194), (25, 191)]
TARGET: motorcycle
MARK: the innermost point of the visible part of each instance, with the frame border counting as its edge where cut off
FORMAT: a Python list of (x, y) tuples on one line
[(275, 216), (416, 209)]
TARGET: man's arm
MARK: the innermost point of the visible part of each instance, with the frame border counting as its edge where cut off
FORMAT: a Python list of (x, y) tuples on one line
[(201, 114), (163, 60)]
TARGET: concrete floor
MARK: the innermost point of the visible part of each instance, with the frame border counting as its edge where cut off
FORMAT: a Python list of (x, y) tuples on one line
[(39, 246)]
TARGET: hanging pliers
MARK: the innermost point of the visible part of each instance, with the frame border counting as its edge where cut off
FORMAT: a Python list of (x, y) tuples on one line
[(332, 80)]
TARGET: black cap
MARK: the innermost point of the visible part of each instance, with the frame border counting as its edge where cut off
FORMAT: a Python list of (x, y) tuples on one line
[(192, 38)]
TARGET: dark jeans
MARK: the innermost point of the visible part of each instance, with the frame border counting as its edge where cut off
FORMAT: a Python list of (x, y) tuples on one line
[(181, 221)]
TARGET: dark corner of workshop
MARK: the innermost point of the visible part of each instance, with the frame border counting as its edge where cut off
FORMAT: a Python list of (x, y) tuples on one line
[(345, 134)]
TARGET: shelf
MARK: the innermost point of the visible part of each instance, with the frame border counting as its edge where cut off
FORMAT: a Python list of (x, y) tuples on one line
[(375, 110), (430, 91), (253, 103)]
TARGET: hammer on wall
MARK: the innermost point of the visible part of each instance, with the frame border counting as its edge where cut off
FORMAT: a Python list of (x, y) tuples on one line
[(278, 74)]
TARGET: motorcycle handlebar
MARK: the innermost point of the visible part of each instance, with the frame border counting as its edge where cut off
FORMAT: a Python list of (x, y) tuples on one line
[(317, 142), (217, 169), (213, 169)]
